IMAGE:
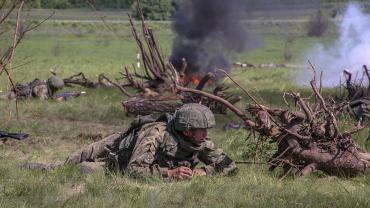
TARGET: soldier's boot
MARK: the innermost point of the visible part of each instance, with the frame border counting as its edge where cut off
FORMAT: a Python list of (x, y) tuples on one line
[(7, 96), (3, 97), (94, 152)]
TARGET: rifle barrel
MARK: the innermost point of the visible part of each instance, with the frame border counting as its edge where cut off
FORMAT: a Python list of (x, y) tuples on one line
[(18, 136)]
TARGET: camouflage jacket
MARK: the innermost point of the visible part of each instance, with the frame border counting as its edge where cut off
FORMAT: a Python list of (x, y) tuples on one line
[(36, 88), (159, 147)]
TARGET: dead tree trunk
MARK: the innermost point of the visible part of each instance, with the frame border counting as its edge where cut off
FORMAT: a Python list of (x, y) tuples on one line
[(307, 140), (357, 89)]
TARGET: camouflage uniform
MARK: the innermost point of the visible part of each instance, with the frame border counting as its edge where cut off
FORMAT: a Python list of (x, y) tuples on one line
[(37, 88), (156, 148)]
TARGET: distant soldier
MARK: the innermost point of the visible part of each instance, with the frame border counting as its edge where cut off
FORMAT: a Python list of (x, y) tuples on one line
[(37, 88), (170, 147)]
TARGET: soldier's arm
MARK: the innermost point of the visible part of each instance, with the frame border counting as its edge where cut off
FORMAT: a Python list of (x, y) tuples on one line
[(142, 161), (216, 160)]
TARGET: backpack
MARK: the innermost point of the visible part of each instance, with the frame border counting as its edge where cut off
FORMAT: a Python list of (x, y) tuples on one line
[(119, 153), (26, 90), (22, 91)]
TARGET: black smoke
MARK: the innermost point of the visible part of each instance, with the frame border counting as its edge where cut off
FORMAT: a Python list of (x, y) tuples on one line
[(208, 30)]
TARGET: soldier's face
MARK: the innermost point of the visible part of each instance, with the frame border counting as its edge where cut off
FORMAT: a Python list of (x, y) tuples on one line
[(196, 136)]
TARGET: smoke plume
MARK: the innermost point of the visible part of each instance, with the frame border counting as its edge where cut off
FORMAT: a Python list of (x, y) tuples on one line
[(206, 31), (351, 51)]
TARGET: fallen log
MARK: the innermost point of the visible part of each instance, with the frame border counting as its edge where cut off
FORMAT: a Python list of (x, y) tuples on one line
[(146, 106)]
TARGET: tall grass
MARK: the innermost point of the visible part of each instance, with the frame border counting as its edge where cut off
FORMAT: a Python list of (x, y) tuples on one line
[(58, 128)]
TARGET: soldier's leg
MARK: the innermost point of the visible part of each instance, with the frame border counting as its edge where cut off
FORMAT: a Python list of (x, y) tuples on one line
[(8, 96), (4, 97), (94, 152), (85, 167)]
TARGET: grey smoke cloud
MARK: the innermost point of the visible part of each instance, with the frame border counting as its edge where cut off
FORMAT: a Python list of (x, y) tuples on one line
[(207, 30), (350, 51)]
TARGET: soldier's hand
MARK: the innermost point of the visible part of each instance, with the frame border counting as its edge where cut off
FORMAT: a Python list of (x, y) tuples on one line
[(199, 172), (180, 173)]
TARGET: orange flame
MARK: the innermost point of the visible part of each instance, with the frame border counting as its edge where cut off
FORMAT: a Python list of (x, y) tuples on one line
[(195, 79)]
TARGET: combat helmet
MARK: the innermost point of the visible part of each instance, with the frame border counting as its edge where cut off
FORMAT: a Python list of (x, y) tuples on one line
[(194, 116), (55, 82)]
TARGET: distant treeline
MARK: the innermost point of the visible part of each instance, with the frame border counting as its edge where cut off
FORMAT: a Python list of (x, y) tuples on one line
[(125, 4), (66, 4), (163, 9)]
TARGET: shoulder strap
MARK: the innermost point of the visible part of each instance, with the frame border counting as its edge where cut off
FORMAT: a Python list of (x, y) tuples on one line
[(120, 151)]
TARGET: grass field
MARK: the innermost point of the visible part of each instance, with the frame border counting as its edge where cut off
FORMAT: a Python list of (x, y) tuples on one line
[(57, 128)]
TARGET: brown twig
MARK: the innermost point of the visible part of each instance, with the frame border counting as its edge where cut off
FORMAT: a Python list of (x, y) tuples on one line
[(4, 17), (356, 129), (263, 108), (105, 22), (117, 85), (15, 36), (239, 113), (367, 72), (245, 91), (323, 104)]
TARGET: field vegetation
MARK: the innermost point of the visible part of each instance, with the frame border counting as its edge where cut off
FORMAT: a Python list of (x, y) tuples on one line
[(58, 128)]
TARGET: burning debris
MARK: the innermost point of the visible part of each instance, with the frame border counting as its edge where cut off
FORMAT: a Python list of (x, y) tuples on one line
[(158, 87)]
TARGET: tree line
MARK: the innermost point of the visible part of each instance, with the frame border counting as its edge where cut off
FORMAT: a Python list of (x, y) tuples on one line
[(66, 4), (154, 9), (126, 4)]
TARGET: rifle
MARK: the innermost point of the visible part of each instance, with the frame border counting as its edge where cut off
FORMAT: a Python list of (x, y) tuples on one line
[(67, 95), (17, 136)]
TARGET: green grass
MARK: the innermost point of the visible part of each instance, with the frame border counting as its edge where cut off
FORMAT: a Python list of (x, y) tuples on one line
[(253, 187), (56, 129)]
